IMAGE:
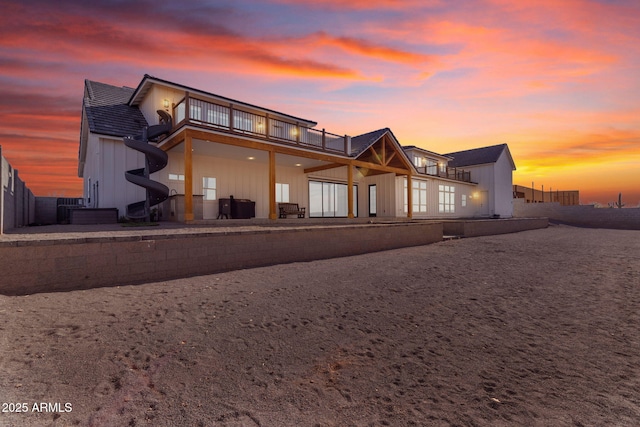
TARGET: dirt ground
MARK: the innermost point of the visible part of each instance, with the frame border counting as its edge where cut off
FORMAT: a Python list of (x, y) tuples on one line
[(534, 328)]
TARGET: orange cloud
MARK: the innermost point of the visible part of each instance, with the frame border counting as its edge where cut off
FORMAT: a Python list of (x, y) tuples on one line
[(373, 50)]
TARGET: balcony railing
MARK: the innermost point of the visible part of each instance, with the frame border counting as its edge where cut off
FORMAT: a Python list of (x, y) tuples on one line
[(446, 172), (227, 118)]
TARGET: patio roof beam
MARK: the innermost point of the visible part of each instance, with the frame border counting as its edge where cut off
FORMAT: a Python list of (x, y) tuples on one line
[(323, 167)]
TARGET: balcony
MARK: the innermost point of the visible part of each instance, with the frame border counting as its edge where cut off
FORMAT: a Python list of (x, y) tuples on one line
[(445, 172), (229, 119)]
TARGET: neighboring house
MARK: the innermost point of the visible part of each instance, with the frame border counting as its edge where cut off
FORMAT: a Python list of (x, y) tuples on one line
[(220, 147), (492, 168)]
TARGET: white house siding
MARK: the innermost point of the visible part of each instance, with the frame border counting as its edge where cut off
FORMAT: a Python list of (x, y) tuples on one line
[(484, 175), (385, 195), (433, 193), (242, 179), (504, 186), (154, 101), (104, 184), (496, 180)]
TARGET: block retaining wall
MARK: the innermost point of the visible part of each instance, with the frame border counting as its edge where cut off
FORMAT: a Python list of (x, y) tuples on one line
[(68, 264), (581, 215), (480, 227)]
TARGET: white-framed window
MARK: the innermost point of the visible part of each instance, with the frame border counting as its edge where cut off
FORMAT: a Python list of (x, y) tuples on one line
[(419, 193), (282, 193), (176, 177), (419, 161), (329, 199), (209, 188), (446, 199), (463, 200), (406, 196)]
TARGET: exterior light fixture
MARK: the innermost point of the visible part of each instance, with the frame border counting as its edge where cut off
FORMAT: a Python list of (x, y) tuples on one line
[(251, 158), (298, 164), (165, 103)]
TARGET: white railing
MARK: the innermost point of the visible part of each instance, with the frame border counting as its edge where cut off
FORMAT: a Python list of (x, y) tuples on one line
[(234, 120)]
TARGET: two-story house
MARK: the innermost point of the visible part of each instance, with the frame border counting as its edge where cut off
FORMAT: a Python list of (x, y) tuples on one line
[(216, 147)]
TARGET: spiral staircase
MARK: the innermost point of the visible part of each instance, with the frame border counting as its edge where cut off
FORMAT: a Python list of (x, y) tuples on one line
[(155, 160)]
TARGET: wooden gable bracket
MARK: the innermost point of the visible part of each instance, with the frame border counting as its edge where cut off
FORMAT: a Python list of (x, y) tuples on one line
[(375, 155), (388, 160)]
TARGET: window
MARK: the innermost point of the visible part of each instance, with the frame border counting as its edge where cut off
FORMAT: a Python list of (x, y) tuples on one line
[(419, 194), (463, 200), (176, 177), (446, 199), (419, 161), (282, 193), (329, 199), (209, 188), (406, 196)]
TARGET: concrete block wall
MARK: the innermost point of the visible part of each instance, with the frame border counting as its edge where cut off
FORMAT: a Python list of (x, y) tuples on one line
[(17, 202), (581, 215), (479, 227), (68, 264)]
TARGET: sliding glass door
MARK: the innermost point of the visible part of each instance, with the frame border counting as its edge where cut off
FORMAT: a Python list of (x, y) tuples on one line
[(330, 199)]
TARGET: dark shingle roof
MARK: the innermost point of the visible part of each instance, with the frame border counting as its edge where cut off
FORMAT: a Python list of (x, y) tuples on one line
[(361, 142), (107, 110), (476, 156)]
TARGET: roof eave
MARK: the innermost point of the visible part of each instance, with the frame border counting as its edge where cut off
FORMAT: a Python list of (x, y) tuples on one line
[(147, 81)]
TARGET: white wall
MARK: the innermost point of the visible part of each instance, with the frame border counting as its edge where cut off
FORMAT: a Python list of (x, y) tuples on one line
[(104, 182), (503, 186), (153, 101), (433, 193)]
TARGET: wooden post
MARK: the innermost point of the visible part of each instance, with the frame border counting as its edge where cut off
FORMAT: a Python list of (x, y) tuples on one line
[(272, 185), (187, 108), (350, 190), (188, 177), (409, 196)]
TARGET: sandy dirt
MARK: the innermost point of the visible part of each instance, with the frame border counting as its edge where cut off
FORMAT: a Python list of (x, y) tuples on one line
[(534, 328)]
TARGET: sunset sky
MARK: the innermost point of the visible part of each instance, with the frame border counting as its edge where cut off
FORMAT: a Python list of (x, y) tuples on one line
[(559, 81)]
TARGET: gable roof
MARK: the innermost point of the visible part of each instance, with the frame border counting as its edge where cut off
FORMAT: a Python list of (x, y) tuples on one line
[(107, 110), (479, 156), (361, 142)]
